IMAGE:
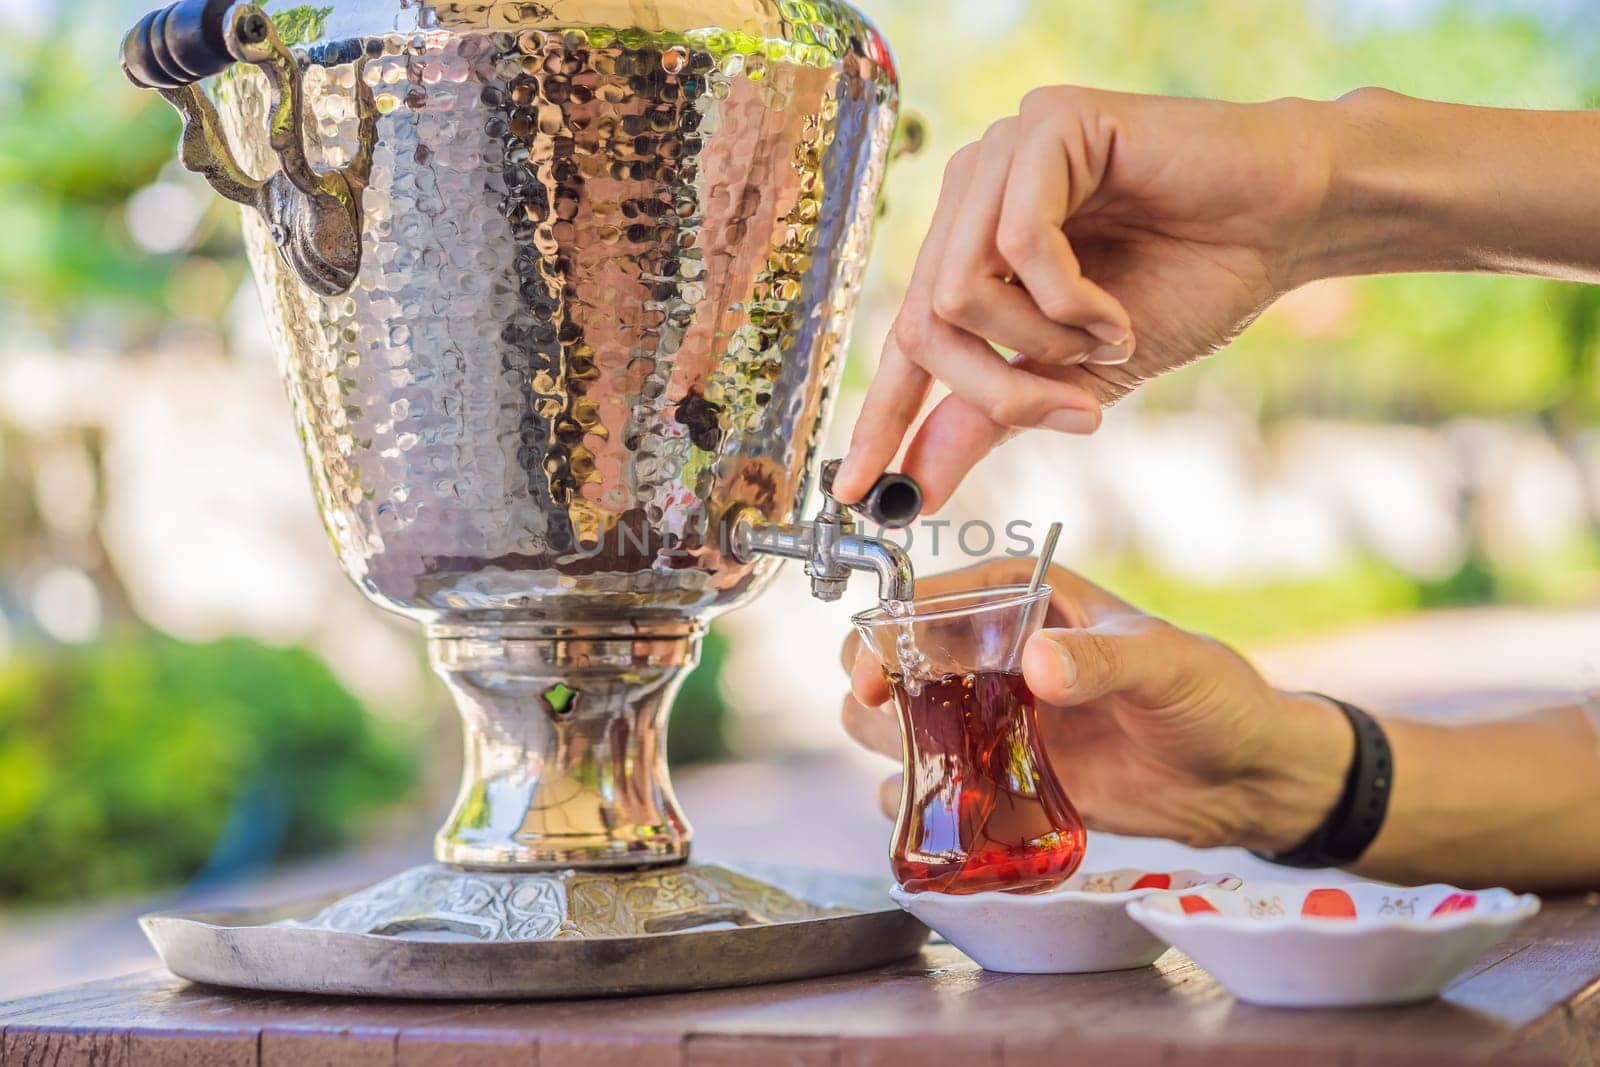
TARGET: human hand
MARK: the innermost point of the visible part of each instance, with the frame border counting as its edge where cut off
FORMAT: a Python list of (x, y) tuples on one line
[(1105, 237), (1153, 731)]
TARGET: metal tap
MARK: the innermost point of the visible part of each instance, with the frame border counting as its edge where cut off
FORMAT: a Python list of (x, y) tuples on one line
[(830, 545)]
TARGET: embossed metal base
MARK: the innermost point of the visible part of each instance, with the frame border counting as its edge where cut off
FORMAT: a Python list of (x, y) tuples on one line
[(440, 932)]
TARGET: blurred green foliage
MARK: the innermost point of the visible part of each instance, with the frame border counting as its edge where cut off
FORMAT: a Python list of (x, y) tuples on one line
[(1363, 589), (697, 731), (122, 763), (77, 142), (1253, 611)]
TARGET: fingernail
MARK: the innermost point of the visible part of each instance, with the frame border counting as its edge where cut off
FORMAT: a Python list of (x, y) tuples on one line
[(1108, 355), (1109, 332), (1050, 667), (1071, 420), (1069, 670)]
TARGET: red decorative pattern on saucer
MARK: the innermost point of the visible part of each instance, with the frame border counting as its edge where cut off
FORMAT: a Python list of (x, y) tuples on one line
[(1153, 880), (1328, 904), (1455, 902)]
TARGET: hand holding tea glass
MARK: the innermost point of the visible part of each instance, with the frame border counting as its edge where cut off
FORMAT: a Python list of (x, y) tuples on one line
[(1151, 730), (1157, 732)]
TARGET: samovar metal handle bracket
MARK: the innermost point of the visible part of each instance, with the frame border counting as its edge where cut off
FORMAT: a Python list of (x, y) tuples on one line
[(314, 217)]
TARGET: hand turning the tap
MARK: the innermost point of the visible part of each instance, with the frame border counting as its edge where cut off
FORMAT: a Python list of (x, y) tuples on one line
[(1109, 238)]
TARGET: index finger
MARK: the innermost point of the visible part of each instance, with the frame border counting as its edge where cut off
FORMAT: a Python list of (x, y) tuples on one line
[(900, 384), (893, 399)]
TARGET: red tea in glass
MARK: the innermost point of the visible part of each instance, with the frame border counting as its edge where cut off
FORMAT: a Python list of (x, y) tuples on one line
[(980, 808)]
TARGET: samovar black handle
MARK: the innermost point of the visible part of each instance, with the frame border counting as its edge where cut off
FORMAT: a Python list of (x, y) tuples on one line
[(179, 44)]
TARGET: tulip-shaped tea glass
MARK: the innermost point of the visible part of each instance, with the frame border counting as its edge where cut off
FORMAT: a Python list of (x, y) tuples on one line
[(980, 808)]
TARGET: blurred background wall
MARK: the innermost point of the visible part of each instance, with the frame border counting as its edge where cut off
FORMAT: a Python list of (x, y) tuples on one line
[(190, 690)]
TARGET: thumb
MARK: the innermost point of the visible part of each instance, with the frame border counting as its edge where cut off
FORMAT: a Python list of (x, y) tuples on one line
[(948, 444), (1141, 657)]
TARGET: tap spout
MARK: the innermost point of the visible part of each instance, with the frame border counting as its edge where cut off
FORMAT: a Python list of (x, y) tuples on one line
[(888, 561)]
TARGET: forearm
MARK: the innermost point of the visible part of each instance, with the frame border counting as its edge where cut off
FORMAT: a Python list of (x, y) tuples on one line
[(1513, 802), (1420, 186)]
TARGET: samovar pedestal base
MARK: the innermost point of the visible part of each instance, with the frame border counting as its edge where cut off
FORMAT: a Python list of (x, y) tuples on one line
[(442, 932)]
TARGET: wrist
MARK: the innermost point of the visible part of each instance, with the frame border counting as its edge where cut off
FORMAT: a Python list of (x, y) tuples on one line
[(1387, 205), (1303, 771), (1297, 137), (1380, 210)]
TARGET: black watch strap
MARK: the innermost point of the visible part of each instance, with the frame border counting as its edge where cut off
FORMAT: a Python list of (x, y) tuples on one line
[(1358, 815)]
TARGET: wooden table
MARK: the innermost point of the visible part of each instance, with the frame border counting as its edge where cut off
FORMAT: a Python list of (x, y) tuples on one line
[(1534, 999)]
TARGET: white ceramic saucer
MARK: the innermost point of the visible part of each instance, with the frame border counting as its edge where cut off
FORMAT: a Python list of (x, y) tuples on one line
[(1307, 946), (1080, 926)]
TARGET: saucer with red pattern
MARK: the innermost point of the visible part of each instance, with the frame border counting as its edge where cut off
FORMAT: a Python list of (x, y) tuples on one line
[(1297, 944)]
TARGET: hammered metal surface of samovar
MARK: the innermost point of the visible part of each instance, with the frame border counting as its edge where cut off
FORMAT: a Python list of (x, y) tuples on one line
[(560, 293)]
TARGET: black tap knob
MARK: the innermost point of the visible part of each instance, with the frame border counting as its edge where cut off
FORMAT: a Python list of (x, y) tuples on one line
[(179, 44), (893, 502)]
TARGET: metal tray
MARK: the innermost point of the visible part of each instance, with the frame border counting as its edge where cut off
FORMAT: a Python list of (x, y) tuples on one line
[(248, 949)]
